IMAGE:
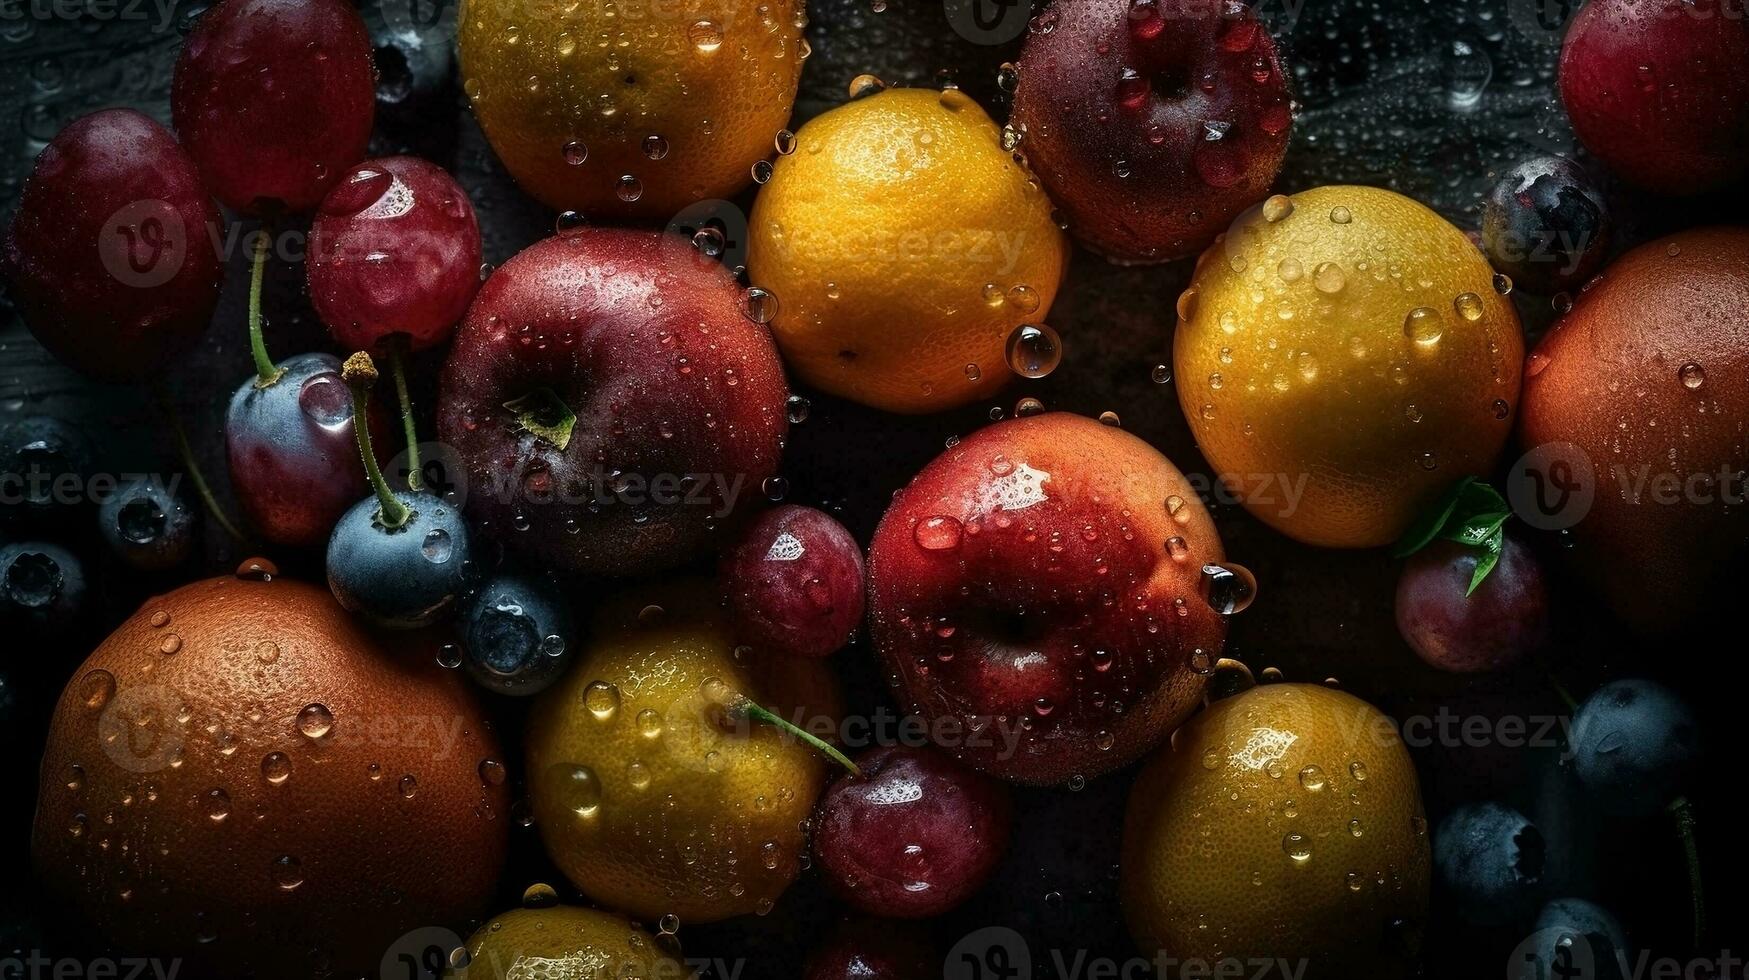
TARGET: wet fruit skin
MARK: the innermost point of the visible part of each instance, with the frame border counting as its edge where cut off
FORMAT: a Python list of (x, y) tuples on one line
[(404, 577), (1492, 628), (565, 941), (904, 245), (1340, 884), (1036, 594), (211, 725), (648, 799), (872, 949), (1635, 745), (274, 100), (45, 463), (517, 633), (1343, 356), (395, 249), (1655, 90), (1152, 127), (1546, 224), (110, 256), (1490, 860), (1636, 398), (42, 587), (679, 399), (684, 105), (794, 583), (915, 835), (147, 525)]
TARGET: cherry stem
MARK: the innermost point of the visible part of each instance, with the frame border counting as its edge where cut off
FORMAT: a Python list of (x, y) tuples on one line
[(186, 453), (397, 368), (266, 374), (360, 374), (1683, 810), (746, 708)]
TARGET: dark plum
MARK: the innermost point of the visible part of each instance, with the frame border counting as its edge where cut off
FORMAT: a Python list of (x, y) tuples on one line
[(292, 452), (915, 835), (44, 465), (1491, 628), (394, 250), (517, 633), (1635, 744), (1574, 938), (1152, 124), (1489, 860), (398, 559), (1546, 224), (147, 525), (111, 255), (873, 949), (794, 581), (274, 100), (42, 586)]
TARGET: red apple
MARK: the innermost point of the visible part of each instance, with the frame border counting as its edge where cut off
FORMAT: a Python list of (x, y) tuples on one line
[(111, 257), (1152, 123), (611, 402), (1038, 594), (1657, 90)]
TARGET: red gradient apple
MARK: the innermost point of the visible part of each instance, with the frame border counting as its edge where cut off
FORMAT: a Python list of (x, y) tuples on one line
[(1657, 90), (1038, 594), (111, 257), (1152, 123), (611, 402), (794, 582)]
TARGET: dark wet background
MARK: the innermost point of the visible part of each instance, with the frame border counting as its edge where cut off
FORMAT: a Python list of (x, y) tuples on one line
[(1430, 99)]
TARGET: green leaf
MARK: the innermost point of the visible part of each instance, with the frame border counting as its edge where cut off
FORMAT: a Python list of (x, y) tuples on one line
[(1474, 531), (1421, 533), (544, 414), (1471, 513), (1486, 561)]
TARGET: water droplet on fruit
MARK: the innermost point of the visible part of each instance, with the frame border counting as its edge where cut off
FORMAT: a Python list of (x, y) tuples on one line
[(1231, 587), (492, 772), (863, 85), (575, 153), (1340, 215), (705, 35), (578, 789), (437, 546), (1277, 207), (1312, 778), (1034, 350), (629, 189), (539, 895), (601, 699), (276, 768), (1328, 278), (257, 570), (1298, 848), (759, 305), (218, 805), (784, 142), (408, 786), (315, 720), (1691, 375), (939, 533), (1423, 326), (569, 223), (1468, 306), (797, 409), (288, 873), (326, 400), (97, 687), (1502, 283)]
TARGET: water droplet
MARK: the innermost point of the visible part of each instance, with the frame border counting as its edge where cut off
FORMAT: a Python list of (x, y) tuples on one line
[(437, 546), (1423, 326), (408, 786), (1312, 778), (1277, 207), (288, 873), (705, 36), (1034, 350), (1469, 306), (1298, 848), (1340, 215), (97, 687), (1231, 587), (276, 767), (569, 223), (601, 699), (315, 720), (939, 533), (655, 147), (1328, 278), (759, 305), (578, 789), (576, 153), (1691, 375)]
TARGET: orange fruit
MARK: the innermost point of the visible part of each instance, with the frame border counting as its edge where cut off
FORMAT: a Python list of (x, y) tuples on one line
[(564, 941), (904, 245), (631, 109), (241, 776), (1282, 822), (648, 798), (1343, 355)]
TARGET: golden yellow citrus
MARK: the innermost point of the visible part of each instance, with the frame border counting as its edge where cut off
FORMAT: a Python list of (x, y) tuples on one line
[(650, 796), (634, 108), (1343, 356), (1282, 822), (564, 941), (904, 246)]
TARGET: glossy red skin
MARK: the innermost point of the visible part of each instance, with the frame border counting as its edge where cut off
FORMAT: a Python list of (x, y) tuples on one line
[(1083, 123), (873, 949), (71, 230), (794, 581), (667, 378), (1657, 90), (1491, 628), (1058, 629), (914, 836), (274, 100), (394, 249)]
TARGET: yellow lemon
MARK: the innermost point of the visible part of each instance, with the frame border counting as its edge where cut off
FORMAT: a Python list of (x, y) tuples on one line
[(1283, 822), (635, 108), (654, 794), (564, 941), (1344, 355), (904, 246)]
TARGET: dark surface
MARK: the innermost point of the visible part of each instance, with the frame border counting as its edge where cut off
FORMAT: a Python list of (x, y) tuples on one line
[(1376, 79)]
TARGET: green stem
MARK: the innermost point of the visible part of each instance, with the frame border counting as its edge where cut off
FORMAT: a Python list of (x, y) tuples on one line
[(189, 463), (397, 368), (1683, 810), (751, 710), (360, 374), (1561, 689), (266, 374)]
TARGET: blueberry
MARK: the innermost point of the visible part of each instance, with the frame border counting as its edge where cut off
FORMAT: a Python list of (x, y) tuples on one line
[(42, 586), (518, 633), (44, 465), (402, 576), (1546, 224), (1489, 859), (1574, 939), (1634, 745), (147, 525)]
